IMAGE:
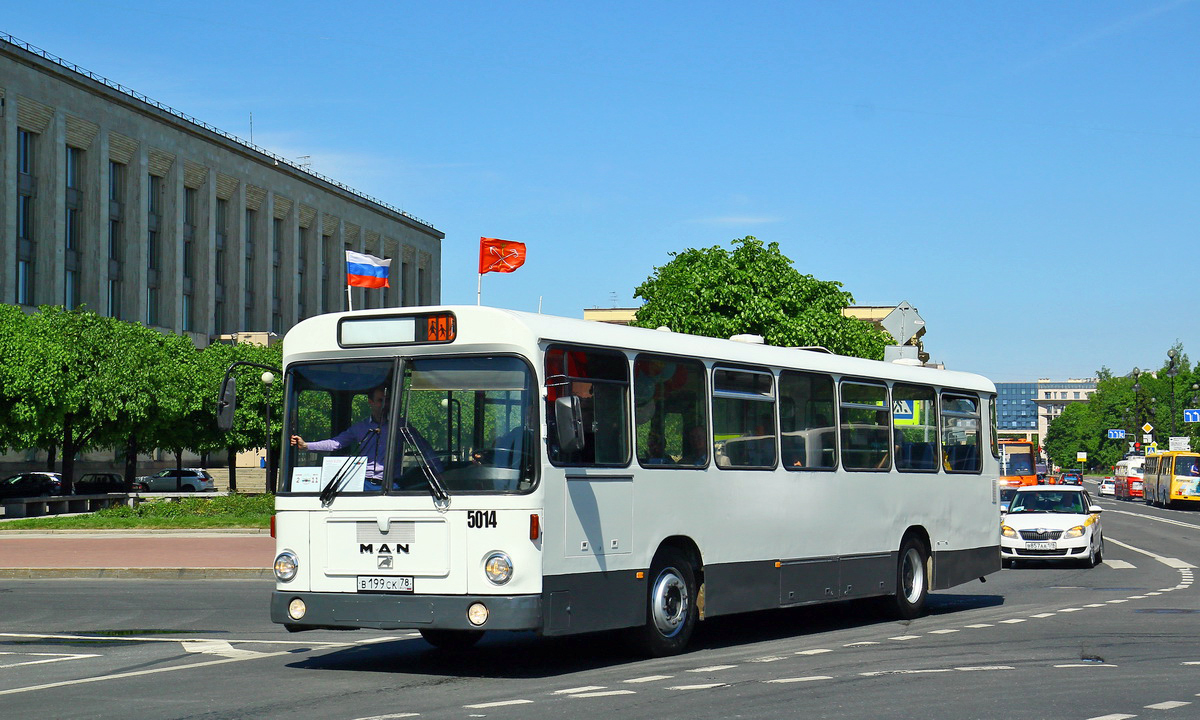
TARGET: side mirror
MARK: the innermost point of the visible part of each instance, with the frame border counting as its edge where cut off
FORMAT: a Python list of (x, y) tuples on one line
[(1095, 509), (227, 404), (568, 420)]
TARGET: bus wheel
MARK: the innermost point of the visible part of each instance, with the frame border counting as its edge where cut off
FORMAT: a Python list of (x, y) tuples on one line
[(451, 639), (912, 579), (671, 605)]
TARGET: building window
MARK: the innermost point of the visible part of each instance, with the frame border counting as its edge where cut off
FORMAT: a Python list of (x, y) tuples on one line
[(276, 279), (74, 204), (26, 183), (249, 277), (116, 216)]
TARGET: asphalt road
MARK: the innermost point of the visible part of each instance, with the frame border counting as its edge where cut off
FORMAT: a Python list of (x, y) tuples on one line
[(1118, 641)]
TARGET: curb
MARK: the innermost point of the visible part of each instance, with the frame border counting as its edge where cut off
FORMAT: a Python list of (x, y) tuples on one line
[(138, 573)]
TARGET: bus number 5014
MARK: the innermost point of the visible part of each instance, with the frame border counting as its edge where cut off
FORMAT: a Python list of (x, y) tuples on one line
[(481, 519)]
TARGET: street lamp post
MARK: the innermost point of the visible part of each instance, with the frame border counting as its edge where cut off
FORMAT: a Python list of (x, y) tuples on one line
[(1172, 371), (1137, 405), (268, 378)]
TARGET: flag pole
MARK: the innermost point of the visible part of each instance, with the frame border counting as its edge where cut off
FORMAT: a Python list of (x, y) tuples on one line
[(479, 291), (349, 304)]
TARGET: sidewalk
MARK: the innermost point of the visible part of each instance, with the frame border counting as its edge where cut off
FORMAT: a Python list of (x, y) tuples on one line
[(159, 554)]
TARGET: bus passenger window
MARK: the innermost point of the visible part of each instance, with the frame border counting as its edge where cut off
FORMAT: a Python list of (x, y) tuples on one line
[(600, 381), (806, 431), (865, 426), (960, 433), (915, 428), (668, 401), (743, 419)]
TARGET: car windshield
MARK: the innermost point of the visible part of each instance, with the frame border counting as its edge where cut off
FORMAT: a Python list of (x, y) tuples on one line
[(1006, 495), (1047, 501)]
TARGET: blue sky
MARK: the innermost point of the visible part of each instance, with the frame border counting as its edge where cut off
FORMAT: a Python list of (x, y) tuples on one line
[(1024, 174)]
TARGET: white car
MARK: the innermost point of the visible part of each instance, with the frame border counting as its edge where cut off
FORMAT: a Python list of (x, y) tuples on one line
[(183, 480), (1108, 486), (1054, 523)]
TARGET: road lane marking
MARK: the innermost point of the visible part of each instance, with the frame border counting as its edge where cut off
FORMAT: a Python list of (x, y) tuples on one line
[(138, 673), (217, 647), (1168, 705), (501, 703), (817, 651), (1013, 621), (851, 645), (808, 678), (878, 673), (131, 638), (1120, 565), (985, 668), (905, 637), (604, 693), (391, 716), (1043, 615), (1169, 562), (942, 632), (47, 658), (585, 688), (768, 658), (712, 668), (649, 678), (705, 686), (1070, 610), (980, 625), (1084, 665), (1113, 716)]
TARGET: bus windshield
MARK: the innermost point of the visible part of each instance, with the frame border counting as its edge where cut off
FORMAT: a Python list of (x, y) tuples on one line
[(470, 421), (1016, 461)]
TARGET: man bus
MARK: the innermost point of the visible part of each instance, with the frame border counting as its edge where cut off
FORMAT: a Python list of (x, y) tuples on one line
[(663, 478)]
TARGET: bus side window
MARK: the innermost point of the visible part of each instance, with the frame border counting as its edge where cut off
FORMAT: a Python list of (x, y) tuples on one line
[(960, 433), (669, 409), (600, 379), (806, 421)]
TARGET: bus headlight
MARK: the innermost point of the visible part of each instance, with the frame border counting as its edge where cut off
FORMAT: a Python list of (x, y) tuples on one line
[(1074, 532), (286, 565), (498, 568), (1006, 531)]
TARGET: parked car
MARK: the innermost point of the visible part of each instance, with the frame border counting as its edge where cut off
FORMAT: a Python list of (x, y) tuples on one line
[(183, 480), (1054, 523), (98, 483), (32, 484), (1108, 486), (1072, 478)]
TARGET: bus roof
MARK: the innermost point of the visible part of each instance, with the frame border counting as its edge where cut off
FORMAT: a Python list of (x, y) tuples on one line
[(489, 329)]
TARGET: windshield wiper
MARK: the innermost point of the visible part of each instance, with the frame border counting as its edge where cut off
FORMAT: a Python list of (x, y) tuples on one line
[(330, 491), (441, 498)]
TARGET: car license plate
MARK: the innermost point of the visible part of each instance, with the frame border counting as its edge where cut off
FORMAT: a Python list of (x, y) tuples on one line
[(385, 583), (1041, 546)]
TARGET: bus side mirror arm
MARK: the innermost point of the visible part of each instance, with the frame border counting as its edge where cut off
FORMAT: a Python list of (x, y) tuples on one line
[(227, 403), (568, 420)]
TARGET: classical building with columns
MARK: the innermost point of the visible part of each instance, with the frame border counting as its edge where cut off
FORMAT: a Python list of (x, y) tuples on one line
[(111, 200)]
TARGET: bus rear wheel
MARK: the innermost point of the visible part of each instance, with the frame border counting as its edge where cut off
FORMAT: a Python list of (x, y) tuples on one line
[(912, 579), (451, 639), (671, 611)]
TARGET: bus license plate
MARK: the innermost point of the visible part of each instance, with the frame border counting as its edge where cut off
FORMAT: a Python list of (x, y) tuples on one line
[(385, 583), (1041, 546)]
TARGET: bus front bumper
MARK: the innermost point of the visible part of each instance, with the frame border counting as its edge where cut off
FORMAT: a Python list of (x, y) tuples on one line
[(348, 611)]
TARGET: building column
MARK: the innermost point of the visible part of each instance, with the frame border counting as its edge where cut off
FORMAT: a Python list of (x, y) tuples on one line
[(137, 207)]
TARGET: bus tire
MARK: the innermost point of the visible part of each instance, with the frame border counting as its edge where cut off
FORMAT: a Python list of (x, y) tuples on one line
[(912, 579), (451, 639), (671, 611)]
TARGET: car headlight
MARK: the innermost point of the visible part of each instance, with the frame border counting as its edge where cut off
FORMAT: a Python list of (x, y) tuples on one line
[(498, 568), (286, 565), (1074, 532), (1006, 531)]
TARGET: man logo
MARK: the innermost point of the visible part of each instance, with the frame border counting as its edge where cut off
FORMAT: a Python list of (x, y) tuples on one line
[(385, 562)]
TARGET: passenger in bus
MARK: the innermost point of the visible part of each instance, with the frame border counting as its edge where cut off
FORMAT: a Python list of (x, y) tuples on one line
[(368, 438), (656, 451), (697, 446)]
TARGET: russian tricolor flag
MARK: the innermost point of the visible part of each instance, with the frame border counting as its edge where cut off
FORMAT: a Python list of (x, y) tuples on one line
[(366, 270)]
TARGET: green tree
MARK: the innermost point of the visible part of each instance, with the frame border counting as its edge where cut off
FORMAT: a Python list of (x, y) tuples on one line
[(754, 289), (249, 422)]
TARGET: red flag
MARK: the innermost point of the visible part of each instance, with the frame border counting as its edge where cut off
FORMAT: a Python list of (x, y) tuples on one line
[(500, 255)]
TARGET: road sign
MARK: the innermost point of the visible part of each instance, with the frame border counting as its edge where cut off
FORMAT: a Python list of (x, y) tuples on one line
[(1152, 447), (1191, 415), (1147, 438), (1147, 428), (1181, 443), (1116, 434), (1132, 445), (1081, 456)]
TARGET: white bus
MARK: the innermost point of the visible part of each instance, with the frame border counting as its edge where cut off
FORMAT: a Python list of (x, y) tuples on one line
[(528, 472)]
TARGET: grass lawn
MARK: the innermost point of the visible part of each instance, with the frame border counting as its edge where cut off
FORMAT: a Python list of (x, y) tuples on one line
[(227, 511)]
